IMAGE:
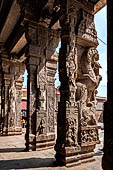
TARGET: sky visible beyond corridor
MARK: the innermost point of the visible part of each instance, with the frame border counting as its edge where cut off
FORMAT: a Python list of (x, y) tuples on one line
[(101, 27)]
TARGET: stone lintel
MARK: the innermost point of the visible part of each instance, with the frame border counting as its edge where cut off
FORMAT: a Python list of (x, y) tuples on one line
[(99, 5), (11, 21)]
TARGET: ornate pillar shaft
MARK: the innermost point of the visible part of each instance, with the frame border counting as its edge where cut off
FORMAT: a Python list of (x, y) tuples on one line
[(51, 66), (18, 100), (5, 86), (9, 104), (67, 122), (107, 162), (31, 103), (6, 103)]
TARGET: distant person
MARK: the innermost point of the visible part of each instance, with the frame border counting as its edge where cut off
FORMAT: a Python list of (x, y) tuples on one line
[(23, 121)]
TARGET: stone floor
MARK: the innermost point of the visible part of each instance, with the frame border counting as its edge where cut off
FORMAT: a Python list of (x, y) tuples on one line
[(12, 157)]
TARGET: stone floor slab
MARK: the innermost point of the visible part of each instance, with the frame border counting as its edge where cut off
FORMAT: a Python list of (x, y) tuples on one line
[(13, 157)]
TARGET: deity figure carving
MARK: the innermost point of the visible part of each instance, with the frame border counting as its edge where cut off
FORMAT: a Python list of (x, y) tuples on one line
[(89, 136), (41, 127), (71, 131), (71, 64), (87, 83)]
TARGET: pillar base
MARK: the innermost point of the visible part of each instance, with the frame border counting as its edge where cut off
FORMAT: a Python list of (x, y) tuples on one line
[(12, 131), (84, 152), (42, 142), (72, 156)]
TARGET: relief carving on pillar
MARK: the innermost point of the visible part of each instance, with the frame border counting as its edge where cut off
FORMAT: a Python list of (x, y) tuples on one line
[(89, 136), (42, 88), (51, 67), (42, 127), (71, 131), (51, 109), (87, 83), (41, 99), (12, 93), (86, 28), (72, 73)]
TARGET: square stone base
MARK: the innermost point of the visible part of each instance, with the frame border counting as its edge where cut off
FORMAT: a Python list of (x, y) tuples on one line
[(12, 131), (41, 142), (72, 156), (84, 152)]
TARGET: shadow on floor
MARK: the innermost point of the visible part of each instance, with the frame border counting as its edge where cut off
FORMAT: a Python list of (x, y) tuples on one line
[(5, 150), (27, 163)]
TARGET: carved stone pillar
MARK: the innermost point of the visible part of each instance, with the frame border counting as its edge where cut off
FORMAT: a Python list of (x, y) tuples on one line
[(18, 106), (46, 72), (15, 93), (107, 162), (67, 121), (31, 103), (5, 85), (45, 117), (51, 66), (42, 45), (9, 103), (7, 81), (77, 130)]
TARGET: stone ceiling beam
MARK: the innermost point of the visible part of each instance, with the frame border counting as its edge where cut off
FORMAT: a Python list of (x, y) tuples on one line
[(11, 21), (19, 45), (99, 5)]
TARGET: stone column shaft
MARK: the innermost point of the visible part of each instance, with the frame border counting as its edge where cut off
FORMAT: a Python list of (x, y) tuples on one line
[(67, 110), (31, 103), (18, 100), (6, 103), (51, 66)]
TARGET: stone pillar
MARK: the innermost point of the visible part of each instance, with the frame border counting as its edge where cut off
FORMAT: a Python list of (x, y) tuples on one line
[(67, 120), (5, 86), (46, 72), (51, 67), (32, 62), (18, 105), (77, 130), (107, 162), (9, 104), (42, 45), (31, 103)]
